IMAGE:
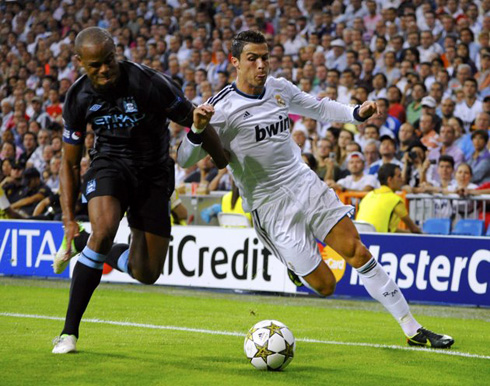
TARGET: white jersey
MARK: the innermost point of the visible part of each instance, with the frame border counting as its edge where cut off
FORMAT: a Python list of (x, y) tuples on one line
[(256, 132)]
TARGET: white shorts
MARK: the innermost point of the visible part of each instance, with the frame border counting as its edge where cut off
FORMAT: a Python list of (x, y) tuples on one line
[(289, 225)]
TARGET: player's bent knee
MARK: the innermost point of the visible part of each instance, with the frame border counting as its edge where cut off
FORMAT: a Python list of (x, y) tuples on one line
[(362, 253), (326, 290), (145, 276)]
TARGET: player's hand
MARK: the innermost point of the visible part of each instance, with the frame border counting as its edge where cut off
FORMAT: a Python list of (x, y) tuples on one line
[(72, 230), (367, 109), (202, 115)]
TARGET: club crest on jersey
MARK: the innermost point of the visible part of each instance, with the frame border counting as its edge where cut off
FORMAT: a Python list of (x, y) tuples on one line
[(279, 100), (275, 128), (130, 105)]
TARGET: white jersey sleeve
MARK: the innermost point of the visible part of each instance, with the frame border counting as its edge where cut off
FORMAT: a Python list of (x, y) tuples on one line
[(189, 153), (324, 110)]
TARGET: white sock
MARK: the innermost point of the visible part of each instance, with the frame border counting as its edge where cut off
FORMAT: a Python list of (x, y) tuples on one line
[(382, 288)]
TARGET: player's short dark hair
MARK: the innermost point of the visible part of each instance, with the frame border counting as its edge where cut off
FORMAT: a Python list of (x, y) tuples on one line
[(446, 158), (92, 35), (243, 38), (386, 171)]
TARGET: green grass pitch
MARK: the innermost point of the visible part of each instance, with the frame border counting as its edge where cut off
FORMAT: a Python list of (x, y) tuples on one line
[(154, 339)]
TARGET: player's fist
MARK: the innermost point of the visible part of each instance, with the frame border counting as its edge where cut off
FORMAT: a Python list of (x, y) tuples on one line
[(202, 115), (367, 109)]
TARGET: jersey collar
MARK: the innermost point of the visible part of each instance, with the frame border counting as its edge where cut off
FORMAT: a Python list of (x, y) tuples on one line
[(247, 95)]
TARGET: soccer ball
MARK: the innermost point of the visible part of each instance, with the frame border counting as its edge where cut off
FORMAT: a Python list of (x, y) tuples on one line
[(269, 345)]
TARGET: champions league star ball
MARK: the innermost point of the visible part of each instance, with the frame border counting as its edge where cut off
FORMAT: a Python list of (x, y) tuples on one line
[(269, 345)]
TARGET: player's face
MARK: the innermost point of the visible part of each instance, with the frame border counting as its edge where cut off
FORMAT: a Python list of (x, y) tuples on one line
[(100, 63), (252, 68)]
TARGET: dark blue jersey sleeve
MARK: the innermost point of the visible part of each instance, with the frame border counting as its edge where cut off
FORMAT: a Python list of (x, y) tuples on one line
[(74, 117), (167, 95)]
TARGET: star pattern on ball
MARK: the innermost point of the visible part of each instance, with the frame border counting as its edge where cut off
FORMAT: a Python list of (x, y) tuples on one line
[(274, 329), (250, 333), (288, 352), (262, 352)]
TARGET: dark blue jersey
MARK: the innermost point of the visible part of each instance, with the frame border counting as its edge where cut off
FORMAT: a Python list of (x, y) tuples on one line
[(131, 120)]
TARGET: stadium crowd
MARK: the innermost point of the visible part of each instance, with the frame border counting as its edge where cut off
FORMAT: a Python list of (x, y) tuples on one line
[(426, 63)]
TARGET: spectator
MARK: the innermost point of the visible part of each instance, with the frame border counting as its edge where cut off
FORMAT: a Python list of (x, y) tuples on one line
[(43, 140), (429, 106), (327, 169), (483, 76), (444, 181), (448, 147), (6, 168), (8, 150), (53, 181), (7, 113), (462, 208), (356, 180), (203, 175), (379, 87), (390, 69), (447, 110), (429, 136), (371, 154), (294, 41), (382, 207), (414, 109), (39, 115), (428, 49), (336, 57), (396, 109), (31, 193), (387, 149), (29, 143), (388, 125), (415, 165), (299, 137), (480, 159), (471, 106), (406, 136)]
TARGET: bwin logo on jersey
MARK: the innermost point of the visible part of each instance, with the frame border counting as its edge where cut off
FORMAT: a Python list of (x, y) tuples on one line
[(273, 129), (130, 105)]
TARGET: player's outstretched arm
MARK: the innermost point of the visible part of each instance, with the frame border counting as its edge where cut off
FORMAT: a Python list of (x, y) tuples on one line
[(69, 188), (210, 140), (201, 140)]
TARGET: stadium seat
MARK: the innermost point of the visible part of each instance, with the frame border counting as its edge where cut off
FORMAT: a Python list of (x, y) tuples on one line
[(363, 226), (437, 226), (233, 220), (469, 227)]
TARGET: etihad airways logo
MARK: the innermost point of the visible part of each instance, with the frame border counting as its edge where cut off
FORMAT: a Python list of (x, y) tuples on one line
[(275, 128), (118, 121)]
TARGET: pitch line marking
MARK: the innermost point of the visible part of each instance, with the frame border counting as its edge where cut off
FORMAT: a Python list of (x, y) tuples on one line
[(239, 334)]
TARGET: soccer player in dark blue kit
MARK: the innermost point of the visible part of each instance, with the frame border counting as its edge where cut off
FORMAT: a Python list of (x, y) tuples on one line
[(128, 106)]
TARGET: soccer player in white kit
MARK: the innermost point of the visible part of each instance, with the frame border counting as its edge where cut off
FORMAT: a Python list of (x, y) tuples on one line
[(290, 205)]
